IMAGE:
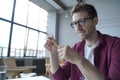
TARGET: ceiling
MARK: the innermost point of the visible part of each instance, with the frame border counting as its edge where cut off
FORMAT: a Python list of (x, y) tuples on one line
[(61, 4), (64, 4), (54, 4)]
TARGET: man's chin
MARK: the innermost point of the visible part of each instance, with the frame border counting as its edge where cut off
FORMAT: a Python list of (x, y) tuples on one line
[(82, 37)]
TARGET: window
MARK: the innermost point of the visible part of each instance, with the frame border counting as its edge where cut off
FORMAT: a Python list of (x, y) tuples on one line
[(28, 28)]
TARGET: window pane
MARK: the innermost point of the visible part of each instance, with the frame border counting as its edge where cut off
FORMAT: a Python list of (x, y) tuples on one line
[(32, 43), (18, 37), (43, 20), (5, 50), (33, 16), (6, 7), (42, 40), (32, 39), (21, 11), (4, 33), (41, 49), (4, 37)]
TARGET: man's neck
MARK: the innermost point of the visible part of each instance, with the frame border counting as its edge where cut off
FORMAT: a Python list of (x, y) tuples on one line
[(92, 40)]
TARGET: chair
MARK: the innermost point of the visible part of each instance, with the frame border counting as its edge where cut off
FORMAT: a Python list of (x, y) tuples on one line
[(13, 71), (47, 66)]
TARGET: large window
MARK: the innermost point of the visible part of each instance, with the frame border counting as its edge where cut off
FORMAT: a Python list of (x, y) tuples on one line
[(23, 27)]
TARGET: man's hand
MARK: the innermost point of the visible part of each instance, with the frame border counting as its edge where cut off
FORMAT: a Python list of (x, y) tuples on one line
[(50, 46), (67, 53)]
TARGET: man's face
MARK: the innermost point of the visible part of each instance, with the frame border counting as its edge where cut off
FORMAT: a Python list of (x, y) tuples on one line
[(84, 25)]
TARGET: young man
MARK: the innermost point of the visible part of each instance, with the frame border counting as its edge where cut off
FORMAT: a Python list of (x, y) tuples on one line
[(96, 57)]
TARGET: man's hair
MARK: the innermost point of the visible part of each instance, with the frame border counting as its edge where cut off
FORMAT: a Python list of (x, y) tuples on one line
[(85, 7)]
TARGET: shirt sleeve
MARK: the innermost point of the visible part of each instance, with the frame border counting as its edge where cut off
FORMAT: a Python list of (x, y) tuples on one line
[(63, 73)]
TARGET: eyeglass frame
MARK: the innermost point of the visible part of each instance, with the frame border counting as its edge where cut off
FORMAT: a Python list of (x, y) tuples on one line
[(81, 22)]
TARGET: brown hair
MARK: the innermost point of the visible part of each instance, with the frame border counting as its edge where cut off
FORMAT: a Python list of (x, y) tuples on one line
[(85, 7)]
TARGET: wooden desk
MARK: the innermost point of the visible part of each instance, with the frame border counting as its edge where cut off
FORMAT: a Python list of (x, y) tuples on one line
[(31, 78), (16, 71)]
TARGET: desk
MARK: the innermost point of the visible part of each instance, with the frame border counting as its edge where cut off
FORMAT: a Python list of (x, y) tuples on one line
[(31, 78)]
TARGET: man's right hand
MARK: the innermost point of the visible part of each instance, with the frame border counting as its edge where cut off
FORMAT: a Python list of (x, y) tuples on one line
[(50, 46)]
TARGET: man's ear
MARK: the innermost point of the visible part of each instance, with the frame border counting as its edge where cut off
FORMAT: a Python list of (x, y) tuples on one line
[(95, 20)]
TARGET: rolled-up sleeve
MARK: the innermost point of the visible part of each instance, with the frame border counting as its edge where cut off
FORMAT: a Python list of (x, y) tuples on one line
[(63, 73)]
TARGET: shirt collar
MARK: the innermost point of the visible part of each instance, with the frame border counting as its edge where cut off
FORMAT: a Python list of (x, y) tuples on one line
[(101, 38)]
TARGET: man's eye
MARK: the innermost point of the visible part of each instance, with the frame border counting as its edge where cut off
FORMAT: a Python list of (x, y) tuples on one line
[(75, 23), (82, 22)]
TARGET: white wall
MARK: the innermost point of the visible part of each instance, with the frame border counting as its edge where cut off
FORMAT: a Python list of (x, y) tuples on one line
[(109, 17), (109, 21), (67, 35)]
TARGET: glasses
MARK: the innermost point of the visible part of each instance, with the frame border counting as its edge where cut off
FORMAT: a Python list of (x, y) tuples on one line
[(81, 22)]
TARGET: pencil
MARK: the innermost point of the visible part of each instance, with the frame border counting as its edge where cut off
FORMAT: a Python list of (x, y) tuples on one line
[(54, 43)]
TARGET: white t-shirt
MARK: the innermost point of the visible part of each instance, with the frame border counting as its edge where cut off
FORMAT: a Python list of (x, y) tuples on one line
[(89, 55)]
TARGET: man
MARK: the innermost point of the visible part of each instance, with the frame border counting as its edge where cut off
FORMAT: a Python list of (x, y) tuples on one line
[(96, 57)]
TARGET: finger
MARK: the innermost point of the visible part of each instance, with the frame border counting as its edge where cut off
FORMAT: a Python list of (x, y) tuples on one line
[(54, 41), (47, 46), (49, 41), (61, 51), (62, 56)]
